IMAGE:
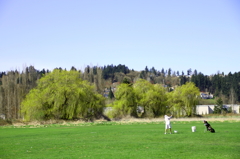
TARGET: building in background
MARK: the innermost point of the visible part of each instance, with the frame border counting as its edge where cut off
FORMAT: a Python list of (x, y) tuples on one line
[(209, 109)]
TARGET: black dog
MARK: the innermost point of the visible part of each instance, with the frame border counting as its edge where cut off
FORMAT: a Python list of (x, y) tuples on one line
[(208, 126)]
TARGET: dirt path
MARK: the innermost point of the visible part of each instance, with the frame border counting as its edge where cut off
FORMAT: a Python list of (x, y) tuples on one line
[(131, 120), (183, 119)]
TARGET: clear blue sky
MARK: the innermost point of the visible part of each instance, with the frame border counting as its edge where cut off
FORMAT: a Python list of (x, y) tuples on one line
[(177, 34)]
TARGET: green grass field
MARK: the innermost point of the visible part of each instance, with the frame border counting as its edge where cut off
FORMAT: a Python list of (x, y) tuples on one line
[(108, 140)]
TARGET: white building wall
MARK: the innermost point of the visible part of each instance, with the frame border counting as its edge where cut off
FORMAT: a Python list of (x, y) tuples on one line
[(208, 109), (204, 109), (235, 108)]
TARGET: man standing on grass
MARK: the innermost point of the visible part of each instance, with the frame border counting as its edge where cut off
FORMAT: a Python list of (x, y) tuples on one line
[(167, 123)]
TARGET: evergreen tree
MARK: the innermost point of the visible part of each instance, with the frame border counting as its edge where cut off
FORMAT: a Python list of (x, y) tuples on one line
[(153, 71), (218, 108), (195, 72), (73, 68), (126, 81), (146, 69), (189, 72), (142, 75), (183, 80), (163, 72), (169, 72), (110, 95), (178, 73)]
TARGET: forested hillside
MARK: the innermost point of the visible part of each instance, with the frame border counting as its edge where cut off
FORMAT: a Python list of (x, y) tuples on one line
[(15, 85)]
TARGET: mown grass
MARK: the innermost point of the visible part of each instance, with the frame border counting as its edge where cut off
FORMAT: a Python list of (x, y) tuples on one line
[(207, 101), (107, 140)]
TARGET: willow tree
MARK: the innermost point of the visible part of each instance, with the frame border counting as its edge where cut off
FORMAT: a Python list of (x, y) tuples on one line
[(184, 99), (174, 102), (62, 94), (151, 97), (141, 87), (156, 100), (125, 101), (190, 96)]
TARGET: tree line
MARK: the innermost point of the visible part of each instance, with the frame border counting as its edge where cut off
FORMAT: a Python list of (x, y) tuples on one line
[(153, 100), (65, 95), (15, 85)]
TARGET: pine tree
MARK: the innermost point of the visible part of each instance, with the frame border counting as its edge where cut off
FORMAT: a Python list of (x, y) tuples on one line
[(110, 95)]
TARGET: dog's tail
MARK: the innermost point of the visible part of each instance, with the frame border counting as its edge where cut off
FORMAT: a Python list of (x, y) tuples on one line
[(212, 130)]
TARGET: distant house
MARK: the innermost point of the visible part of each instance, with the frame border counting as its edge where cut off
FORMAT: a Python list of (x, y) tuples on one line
[(105, 95), (2, 116), (208, 109), (206, 95), (164, 85), (107, 90)]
